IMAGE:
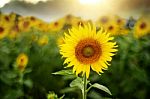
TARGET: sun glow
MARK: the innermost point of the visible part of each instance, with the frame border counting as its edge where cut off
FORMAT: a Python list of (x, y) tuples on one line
[(89, 1), (3, 2)]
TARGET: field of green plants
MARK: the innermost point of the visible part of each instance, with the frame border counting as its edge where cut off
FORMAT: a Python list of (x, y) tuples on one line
[(30, 58)]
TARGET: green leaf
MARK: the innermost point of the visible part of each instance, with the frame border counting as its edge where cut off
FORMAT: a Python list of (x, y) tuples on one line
[(68, 90), (64, 72), (69, 77), (28, 83), (62, 97), (13, 94), (77, 83), (27, 70), (94, 95), (101, 87)]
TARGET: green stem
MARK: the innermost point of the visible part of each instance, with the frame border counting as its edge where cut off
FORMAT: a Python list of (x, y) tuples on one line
[(89, 87), (85, 87), (21, 81)]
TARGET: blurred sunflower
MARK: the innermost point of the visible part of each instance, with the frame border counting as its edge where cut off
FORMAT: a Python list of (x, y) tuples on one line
[(24, 24), (57, 25), (22, 61), (120, 21), (13, 16), (121, 25), (112, 28), (84, 48), (142, 26), (124, 31), (35, 21), (43, 40), (7, 20), (69, 19), (60, 40), (109, 23), (77, 22), (43, 26), (103, 20), (3, 31), (14, 31)]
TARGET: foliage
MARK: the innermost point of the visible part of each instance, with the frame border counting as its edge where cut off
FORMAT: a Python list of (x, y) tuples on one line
[(37, 75), (127, 78)]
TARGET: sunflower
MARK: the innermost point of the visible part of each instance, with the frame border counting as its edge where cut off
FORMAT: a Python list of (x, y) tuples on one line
[(120, 21), (13, 16), (14, 31), (57, 25), (112, 28), (124, 31), (121, 26), (43, 40), (103, 20), (35, 21), (42, 26), (3, 31), (69, 19), (7, 20), (60, 40), (76, 22), (24, 24), (84, 48), (109, 23), (142, 26), (22, 61)]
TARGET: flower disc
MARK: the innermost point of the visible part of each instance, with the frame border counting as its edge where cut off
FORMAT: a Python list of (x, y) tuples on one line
[(88, 51), (1, 30)]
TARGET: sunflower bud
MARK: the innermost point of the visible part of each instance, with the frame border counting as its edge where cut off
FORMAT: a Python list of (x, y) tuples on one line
[(22, 61)]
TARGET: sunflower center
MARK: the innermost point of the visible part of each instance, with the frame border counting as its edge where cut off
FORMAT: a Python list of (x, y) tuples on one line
[(80, 23), (104, 20), (33, 18), (110, 28), (22, 60), (143, 25), (56, 23), (26, 24), (1, 30), (6, 18), (88, 51), (68, 17), (119, 21), (16, 28)]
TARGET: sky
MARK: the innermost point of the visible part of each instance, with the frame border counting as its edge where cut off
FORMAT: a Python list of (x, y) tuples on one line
[(54, 9)]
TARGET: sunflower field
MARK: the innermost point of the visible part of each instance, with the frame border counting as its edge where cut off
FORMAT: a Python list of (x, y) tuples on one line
[(47, 60)]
